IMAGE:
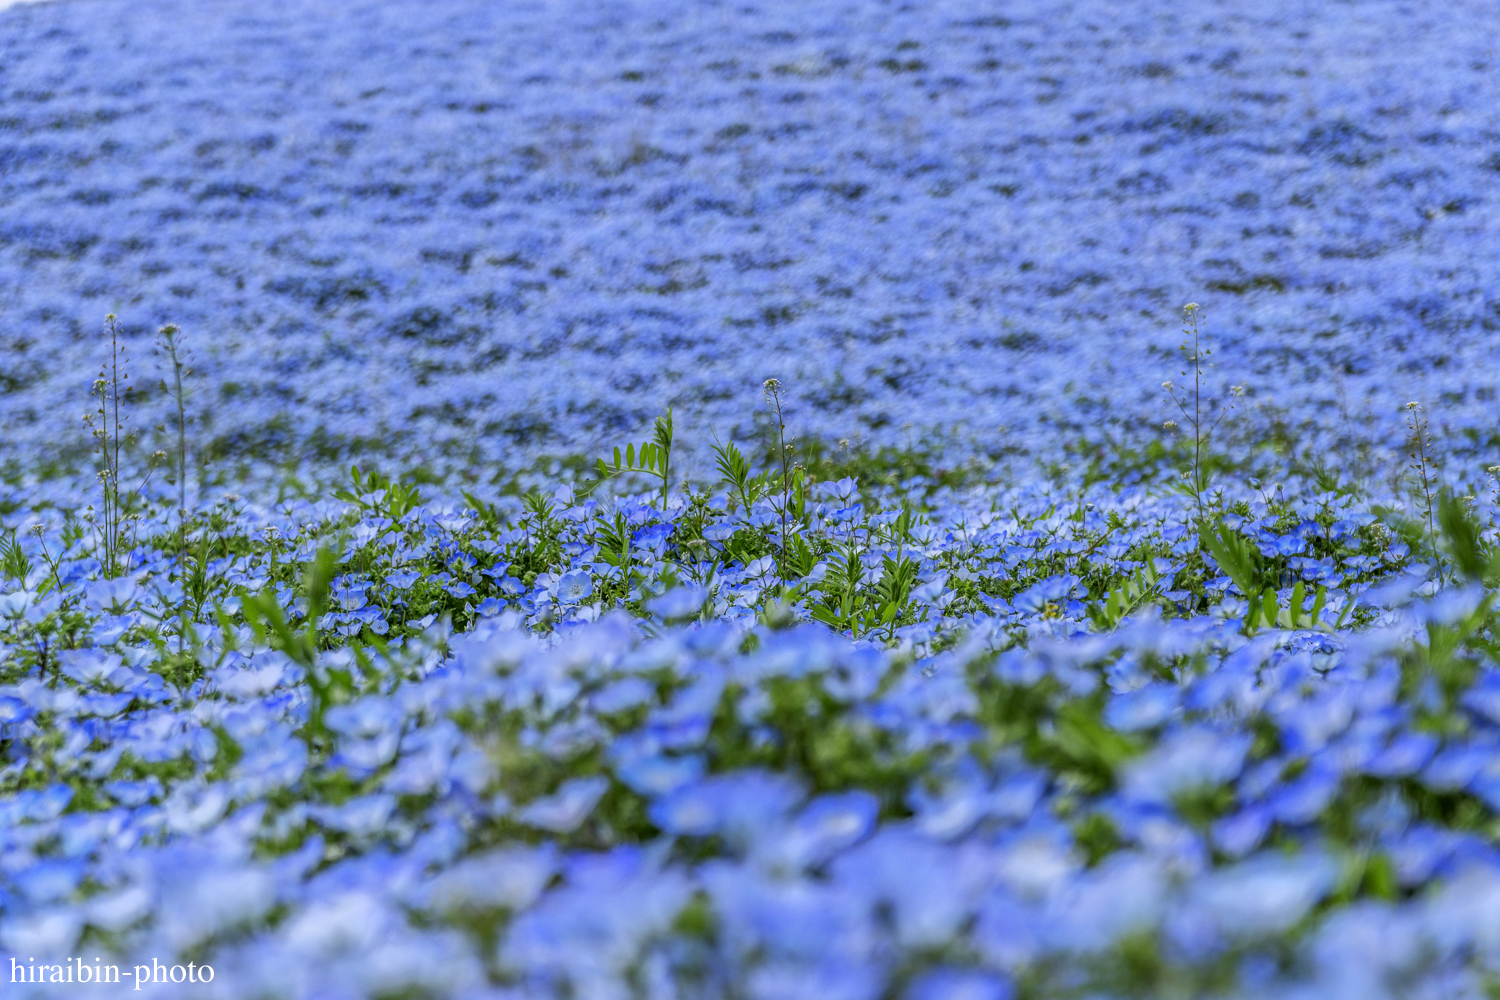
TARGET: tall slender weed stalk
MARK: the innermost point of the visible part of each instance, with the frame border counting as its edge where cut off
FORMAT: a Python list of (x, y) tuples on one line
[(170, 349), (772, 389), (1195, 408), (1424, 469), (107, 425)]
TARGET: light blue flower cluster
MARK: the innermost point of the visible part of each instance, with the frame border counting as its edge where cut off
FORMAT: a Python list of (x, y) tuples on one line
[(465, 235), (988, 685), (509, 768)]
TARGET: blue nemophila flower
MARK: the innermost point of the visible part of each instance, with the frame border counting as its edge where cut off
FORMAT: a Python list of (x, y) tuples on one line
[(1184, 761), (761, 568), (1303, 799), (14, 709), (368, 717), (49, 881), (345, 626), (1450, 606), (1240, 833), (365, 816), (575, 587), (1144, 708), (38, 805), (659, 774), (205, 893), (678, 603), (843, 489), (834, 979), (1054, 590), (194, 806), (1457, 765), (720, 532), (253, 843), (15, 603), (134, 793), (426, 759), (846, 515), (929, 890), (1406, 754), (365, 532), (790, 919), (112, 596), (1263, 895), (1309, 724), (590, 931), (653, 537), (508, 879), (402, 579), (47, 932), (350, 598), (827, 825), (1126, 894), (960, 984), (960, 802), (622, 695), (741, 806), (365, 754), (90, 666), (567, 808)]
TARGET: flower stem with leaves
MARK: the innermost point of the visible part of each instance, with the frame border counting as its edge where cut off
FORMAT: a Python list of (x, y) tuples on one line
[(107, 425), (1195, 351), (171, 350), (772, 389), (1424, 465)]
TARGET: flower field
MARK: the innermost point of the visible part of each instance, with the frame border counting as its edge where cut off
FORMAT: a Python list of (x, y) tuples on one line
[(706, 501)]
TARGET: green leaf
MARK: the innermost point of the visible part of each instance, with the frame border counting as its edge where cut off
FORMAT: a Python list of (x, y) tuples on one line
[(487, 513), (264, 616), (318, 583), (1471, 555), (13, 559), (663, 429), (1252, 614), (401, 498), (1234, 553), (731, 465), (826, 615), (1294, 610), (1317, 609), (1268, 607)]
